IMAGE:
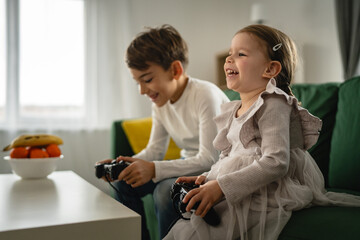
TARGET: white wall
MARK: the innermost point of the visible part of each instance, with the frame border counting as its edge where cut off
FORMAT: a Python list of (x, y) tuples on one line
[(208, 26)]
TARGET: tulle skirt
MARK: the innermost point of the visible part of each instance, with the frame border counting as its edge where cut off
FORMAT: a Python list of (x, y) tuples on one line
[(264, 213)]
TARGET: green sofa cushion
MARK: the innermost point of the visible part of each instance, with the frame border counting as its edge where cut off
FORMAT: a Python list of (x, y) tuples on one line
[(321, 101), (344, 167)]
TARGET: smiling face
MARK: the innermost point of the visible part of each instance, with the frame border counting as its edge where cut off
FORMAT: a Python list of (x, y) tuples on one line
[(155, 82), (246, 64)]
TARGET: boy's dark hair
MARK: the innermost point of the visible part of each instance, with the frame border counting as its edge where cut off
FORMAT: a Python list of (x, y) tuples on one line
[(161, 46)]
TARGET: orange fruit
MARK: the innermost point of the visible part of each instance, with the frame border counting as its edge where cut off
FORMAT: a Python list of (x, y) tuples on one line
[(53, 150), (38, 153), (19, 152)]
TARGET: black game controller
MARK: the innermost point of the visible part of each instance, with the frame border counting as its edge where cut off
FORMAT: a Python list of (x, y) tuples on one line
[(110, 170), (178, 192)]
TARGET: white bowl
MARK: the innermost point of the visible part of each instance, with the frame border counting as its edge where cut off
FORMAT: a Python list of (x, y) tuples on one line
[(32, 168)]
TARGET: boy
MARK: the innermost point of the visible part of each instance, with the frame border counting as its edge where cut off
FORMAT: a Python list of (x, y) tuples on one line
[(183, 108)]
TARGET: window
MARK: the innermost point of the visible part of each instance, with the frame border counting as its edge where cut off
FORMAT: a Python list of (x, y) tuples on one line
[(51, 47), (44, 72)]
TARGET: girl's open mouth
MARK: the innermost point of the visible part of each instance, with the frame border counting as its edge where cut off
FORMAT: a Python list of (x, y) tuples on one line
[(230, 72)]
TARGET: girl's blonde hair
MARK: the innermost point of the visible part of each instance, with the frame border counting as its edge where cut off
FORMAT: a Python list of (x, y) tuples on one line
[(286, 54)]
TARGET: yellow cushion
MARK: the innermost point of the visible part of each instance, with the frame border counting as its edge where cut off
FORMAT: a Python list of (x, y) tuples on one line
[(138, 134)]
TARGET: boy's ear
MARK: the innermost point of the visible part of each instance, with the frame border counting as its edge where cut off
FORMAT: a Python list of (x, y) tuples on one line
[(272, 70), (176, 69)]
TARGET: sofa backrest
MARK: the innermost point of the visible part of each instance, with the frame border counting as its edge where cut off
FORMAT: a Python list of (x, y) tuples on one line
[(320, 100), (130, 136), (337, 150), (344, 169), (138, 134)]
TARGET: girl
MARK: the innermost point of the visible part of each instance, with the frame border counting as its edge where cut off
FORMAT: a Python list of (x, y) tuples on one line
[(264, 171)]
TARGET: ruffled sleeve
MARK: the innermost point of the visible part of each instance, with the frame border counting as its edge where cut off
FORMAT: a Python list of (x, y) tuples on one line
[(310, 124), (223, 122)]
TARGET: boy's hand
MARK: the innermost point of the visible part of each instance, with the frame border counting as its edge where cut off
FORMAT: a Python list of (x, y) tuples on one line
[(138, 172), (104, 161), (208, 195), (198, 180)]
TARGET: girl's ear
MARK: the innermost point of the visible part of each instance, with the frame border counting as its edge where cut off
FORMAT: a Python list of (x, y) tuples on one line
[(272, 70), (176, 69)]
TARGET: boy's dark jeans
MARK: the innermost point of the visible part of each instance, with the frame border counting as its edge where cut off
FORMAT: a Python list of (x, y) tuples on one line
[(131, 197)]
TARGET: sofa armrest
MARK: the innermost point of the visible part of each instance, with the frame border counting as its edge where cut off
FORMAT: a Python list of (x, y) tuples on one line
[(119, 142)]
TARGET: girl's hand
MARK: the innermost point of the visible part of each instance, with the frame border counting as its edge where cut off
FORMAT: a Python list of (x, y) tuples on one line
[(138, 172), (208, 195), (198, 180)]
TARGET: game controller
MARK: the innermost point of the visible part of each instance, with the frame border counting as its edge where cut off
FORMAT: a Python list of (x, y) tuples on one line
[(110, 170), (178, 192)]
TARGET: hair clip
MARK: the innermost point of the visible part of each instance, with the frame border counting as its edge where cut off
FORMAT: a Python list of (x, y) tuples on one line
[(277, 47)]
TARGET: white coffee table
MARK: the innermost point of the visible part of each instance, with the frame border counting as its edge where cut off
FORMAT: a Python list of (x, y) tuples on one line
[(62, 206)]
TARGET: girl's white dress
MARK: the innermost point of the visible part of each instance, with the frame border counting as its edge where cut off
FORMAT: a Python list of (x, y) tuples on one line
[(264, 170)]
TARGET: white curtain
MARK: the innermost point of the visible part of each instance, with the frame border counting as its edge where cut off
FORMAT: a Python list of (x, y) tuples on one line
[(117, 91), (348, 23)]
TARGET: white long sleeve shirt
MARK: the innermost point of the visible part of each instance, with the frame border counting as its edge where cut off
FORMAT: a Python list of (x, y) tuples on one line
[(189, 122)]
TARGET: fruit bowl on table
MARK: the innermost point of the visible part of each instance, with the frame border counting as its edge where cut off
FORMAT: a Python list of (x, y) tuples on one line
[(33, 168)]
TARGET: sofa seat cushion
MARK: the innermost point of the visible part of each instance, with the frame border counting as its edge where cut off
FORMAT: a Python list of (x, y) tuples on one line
[(344, 167), (318, 223)]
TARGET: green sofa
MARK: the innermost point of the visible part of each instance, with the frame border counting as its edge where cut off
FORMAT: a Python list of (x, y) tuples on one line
[(337, 154)]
